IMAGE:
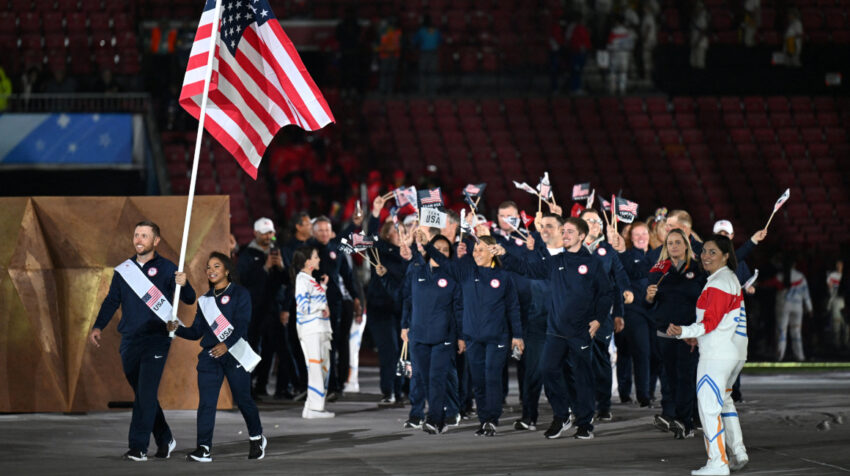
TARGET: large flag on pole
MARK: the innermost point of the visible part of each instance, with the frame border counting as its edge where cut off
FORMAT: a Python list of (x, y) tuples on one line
[(258, 85)]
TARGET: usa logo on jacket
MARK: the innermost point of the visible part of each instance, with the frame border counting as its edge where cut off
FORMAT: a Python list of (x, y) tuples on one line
[(152, 272), (442, 282), (602, 251), (495, 283), (225, 299), (582, 269)]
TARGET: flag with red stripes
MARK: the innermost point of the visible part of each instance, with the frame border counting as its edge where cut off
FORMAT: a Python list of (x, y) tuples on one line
[(581, 191), (219, 325), (626, 210), (258, 83), (152, 296), (431, 198)]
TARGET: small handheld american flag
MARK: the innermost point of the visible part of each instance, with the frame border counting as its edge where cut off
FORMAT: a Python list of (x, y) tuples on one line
[(581, 191), (431, 198), (626, 210)]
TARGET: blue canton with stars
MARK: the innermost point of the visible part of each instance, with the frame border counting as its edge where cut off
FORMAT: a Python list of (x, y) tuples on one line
[(237, 15)]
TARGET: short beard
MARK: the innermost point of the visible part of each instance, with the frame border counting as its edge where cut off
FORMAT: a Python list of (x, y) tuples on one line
[(145, 251)]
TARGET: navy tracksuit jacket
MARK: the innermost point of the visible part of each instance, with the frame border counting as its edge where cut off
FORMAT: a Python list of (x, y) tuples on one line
[(580, 293), (490, 318), (235, 306), (144, 346), (433, 313)]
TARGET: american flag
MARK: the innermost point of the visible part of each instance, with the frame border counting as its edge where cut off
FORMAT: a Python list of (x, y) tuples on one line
[(605, 204), (258, 83), (782, 199), (359, 240), (545, 186), (152, 296), (405, 196), (219, 325), (474, 190), (626, 208), (431, 197), (581, 191)]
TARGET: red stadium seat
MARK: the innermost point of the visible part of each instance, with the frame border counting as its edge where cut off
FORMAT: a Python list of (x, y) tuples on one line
[(75, 22)]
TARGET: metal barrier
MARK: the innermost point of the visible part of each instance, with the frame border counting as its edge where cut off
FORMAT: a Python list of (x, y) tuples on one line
[(79, 102)]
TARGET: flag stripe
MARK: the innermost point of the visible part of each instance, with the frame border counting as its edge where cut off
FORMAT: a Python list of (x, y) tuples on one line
[(256, 88)]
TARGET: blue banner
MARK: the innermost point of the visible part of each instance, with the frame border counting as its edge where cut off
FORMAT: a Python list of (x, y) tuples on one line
[(66, 139)]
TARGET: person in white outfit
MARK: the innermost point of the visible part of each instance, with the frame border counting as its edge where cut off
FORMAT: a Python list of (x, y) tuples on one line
[(751, 23), (791, 300), (314, 329), (835, 307), (699, 36), (721, 332), (621, 42)]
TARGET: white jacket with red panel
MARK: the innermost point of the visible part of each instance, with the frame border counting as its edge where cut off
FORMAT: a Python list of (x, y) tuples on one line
[(721, 326)]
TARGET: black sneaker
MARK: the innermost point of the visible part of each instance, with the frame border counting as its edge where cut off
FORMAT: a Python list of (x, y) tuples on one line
[(164, 452), (662, 422), (680, 432), (332, 396), (645, 403), (413, 422), (201, 455), (583, 433), (604, 416), (626, 400), (489, 429), (480, 431), (387, 400), (257, 450), (135, 455), (556, 428), (433, 428), (525, 424), (454, 421)]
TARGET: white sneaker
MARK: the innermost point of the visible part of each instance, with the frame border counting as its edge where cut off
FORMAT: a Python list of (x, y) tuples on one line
[(722, 470), (738, 462), (314, 414), (351, 388)]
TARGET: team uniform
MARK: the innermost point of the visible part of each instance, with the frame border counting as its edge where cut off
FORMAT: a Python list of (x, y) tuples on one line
[(433, 313), (490, 318), (144, 343), (674, 303), (580, 293), (636, 344), (314, 332), (790, 304), (613, 269), (721, 330), (225, 318), (533, 318), (835, 308)]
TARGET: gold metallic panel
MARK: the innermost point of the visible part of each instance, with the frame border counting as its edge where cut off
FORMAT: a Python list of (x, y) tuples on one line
[(57, 256)]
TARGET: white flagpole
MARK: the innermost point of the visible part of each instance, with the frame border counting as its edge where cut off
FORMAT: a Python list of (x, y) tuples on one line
[(207, 79)]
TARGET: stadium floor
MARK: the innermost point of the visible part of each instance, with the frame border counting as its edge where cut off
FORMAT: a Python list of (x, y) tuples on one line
[(782, 417)]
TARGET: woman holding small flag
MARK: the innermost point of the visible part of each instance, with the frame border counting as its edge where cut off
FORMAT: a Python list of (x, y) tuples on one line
[(383, 296), (490, 318), (675, 283), (221, 323)]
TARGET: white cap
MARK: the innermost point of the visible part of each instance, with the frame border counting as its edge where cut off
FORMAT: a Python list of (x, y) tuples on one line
[(409, 219), (263, 225), (723, 225)]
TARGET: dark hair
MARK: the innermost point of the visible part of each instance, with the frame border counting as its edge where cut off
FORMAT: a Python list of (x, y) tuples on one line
[(579, 224), (437, 238), (726, 247), (228, 265), (490, 241), (508, 204), (153, 226), (557, 217), (298, 218), (299, 259)]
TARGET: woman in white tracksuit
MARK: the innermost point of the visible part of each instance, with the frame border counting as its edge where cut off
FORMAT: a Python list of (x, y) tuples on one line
[(721, 332), (314, 329)]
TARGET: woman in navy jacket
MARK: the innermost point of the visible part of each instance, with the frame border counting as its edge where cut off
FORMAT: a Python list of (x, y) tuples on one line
[(215, 362), (383, 298), (675, 283), (490, 318), (431, 316)]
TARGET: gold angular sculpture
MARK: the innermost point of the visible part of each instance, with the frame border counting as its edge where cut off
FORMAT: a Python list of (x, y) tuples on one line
[(57, 256)]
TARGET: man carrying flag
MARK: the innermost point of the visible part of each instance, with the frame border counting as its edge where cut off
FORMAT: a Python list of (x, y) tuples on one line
[(143, 286)]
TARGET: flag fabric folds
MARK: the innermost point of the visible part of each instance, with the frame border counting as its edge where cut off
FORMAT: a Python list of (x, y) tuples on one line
[(782, 199), (430, 198), (259, 83), (626, 210), (581, 191)]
